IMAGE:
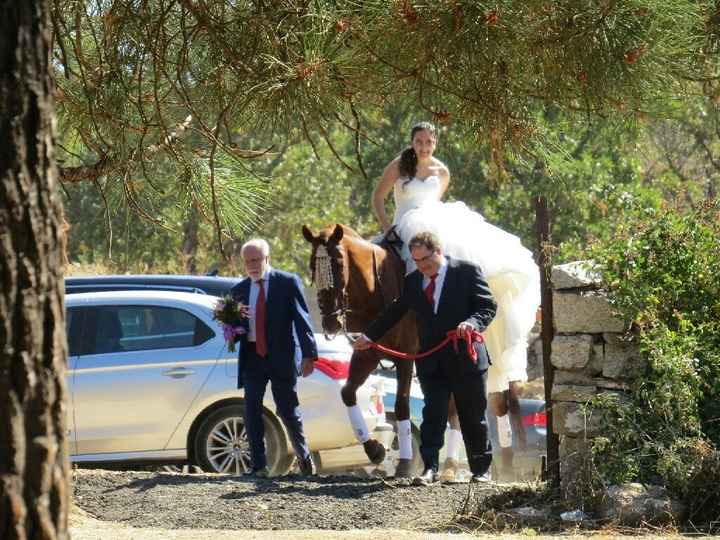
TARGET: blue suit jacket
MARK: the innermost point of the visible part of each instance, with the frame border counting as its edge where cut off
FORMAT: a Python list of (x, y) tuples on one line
[(286, 311)]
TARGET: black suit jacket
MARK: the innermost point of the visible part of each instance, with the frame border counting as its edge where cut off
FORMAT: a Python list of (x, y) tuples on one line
[(465, 296)]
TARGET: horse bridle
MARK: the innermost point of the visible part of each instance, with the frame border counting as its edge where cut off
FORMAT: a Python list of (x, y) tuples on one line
[(325, 279)]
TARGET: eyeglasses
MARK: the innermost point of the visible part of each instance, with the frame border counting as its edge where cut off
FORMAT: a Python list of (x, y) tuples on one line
[(425, 258)]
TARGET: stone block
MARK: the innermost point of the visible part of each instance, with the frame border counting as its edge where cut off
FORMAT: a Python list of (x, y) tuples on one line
[(622, 359), (579, 378), (633, 505), (571, 352), (574, 275), (576, 420), (586, 312), (584, 378), (595, 366), (575, 469), (571, 392)]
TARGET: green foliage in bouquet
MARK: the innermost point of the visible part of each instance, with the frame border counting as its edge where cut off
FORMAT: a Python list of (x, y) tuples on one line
[(662, 272)]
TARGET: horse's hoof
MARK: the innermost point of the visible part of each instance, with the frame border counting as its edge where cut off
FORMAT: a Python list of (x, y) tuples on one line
[(404, 468), (449, 471), (375, 451)]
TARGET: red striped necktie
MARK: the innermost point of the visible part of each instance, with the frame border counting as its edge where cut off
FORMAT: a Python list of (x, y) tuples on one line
[(430, 291)]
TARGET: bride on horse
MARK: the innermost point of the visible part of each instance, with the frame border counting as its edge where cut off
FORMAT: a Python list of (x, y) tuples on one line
[(418, 181)]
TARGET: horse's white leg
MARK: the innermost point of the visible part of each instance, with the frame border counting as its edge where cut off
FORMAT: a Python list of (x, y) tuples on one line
[(454, 440), (404, 432), (357, 421), (358, 424), (374, 449)]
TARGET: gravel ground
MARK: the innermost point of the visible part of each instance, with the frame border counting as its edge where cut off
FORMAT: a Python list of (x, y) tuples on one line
[(183, 501), (173, 506)]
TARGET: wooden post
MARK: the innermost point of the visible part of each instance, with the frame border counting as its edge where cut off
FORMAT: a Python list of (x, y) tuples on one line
[(542, 229)]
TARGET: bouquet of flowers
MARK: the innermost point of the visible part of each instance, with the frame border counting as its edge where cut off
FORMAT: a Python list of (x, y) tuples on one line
[(230, 314)]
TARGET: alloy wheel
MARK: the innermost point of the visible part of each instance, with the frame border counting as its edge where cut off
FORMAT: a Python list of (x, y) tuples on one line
[(228, 450)]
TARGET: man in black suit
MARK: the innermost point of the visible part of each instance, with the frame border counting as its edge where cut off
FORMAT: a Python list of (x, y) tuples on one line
[(446, 295), (278, 334)]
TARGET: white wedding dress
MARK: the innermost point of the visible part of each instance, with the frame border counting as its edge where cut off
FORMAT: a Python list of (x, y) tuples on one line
[(509, 268)]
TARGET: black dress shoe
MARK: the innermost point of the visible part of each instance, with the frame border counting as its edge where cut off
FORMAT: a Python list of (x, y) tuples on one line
[(429, 476), (307, 466)]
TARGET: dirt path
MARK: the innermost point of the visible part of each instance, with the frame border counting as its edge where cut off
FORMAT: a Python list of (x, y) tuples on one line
[(181, 501), (155, 506)]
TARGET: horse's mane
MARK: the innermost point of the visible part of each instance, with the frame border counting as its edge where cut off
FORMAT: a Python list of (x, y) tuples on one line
[(350, 231), (351, 235)]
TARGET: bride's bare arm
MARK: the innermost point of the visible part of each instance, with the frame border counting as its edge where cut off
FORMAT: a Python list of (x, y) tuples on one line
[(382, 190), (444, 180)]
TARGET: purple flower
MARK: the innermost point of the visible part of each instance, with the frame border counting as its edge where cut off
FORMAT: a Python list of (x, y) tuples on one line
[(230, 332)]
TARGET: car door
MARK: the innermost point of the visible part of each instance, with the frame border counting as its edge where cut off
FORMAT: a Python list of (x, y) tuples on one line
[(73, 326), (139, 371)]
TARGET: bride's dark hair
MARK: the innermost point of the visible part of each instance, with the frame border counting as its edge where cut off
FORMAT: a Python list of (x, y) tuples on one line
[(408, 157)]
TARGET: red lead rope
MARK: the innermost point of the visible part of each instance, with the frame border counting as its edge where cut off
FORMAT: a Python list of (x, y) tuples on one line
[(469, 336)]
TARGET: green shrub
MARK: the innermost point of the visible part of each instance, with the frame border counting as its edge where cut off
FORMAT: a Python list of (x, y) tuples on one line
[(662, 270)]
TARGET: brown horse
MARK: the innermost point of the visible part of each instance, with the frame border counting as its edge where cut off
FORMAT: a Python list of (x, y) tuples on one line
[(359, 280), (356, 280)]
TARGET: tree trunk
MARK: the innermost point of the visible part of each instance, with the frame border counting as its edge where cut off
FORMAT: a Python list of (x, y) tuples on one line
[(34, 493), (542, 229)]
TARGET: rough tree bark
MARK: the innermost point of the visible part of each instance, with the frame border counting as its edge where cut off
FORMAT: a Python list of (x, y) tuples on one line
[(34, 480), (542, 229)]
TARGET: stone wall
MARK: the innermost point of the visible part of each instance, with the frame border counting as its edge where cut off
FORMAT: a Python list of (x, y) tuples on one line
[(591, 355)]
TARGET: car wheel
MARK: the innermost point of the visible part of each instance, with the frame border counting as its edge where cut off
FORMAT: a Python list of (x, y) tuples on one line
[(221, 443), (393, 454)]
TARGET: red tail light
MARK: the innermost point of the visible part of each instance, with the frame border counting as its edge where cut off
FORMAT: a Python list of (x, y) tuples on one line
[(379, 405), (538, 419)]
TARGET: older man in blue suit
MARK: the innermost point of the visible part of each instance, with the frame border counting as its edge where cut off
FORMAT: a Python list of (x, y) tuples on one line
[(279, 326)]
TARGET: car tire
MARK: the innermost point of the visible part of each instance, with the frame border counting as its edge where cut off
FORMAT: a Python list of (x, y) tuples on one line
[(393, 454), (221, 444)]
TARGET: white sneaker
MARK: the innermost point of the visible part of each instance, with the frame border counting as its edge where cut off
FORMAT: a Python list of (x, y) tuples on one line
[(480, 478)]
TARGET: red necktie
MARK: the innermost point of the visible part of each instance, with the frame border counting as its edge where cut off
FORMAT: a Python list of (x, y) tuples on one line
[(430, 291), (260, 336)]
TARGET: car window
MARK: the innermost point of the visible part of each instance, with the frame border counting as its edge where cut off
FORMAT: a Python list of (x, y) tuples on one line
[(72, 330), (136, 328)]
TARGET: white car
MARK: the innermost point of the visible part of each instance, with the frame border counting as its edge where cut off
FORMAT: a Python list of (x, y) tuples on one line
[(151, 380)]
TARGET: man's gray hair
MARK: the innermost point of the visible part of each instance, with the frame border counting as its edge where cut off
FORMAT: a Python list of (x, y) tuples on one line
[(258, 243)]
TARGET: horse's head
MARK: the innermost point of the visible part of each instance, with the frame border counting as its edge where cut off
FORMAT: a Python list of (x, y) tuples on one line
[(329, 267)]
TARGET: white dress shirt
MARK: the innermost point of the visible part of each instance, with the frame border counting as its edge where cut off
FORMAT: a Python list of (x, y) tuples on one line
[(254, 292), (439, 280)]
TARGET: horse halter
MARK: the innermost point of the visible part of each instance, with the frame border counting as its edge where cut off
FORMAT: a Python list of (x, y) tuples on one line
[(325, 280), (323, 269)]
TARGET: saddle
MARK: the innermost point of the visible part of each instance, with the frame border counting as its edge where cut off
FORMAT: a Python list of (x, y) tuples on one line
[(392, 242)]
